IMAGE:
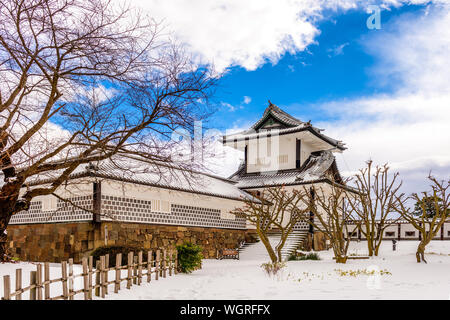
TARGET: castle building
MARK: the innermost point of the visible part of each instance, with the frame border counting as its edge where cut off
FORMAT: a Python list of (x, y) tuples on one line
[(104, 205)]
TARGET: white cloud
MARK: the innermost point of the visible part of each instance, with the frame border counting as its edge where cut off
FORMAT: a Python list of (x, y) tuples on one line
[(249, 33), (247, 100), (410, 127), (337, 50), (234, 32)]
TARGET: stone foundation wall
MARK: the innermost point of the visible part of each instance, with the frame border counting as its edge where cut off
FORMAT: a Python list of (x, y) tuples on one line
[(55, 242)]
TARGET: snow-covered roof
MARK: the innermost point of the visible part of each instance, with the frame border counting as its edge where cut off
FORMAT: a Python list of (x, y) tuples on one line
[(287, 124), (318, 167), (168, 176)]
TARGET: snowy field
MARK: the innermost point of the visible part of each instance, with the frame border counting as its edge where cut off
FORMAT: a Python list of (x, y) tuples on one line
[(396, 275)]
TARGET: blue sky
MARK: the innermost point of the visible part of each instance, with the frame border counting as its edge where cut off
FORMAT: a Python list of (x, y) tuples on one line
[(384, 92), (336, 66)]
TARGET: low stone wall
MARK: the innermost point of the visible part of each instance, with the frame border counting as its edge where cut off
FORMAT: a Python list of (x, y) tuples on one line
[(55, 242)]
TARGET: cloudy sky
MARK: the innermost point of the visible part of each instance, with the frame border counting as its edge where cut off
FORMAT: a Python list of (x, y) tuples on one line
[(385, 92)]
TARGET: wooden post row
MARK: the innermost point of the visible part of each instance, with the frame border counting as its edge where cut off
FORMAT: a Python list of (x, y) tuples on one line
[(139, 267), (106, 272), (64, 280), (149, 265), (118, 272), (71, 279), (97, 279), (103, 276), (158, 253), (33, 283), (6, 287), (135, 262), (84, 263), (39, 281), (19, 284), (91, 266), (164, 268), (129, 273), (47, 281)]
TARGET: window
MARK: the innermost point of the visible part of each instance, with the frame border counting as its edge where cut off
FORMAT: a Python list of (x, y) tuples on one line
[(390, 234), (283, 158), (410, 233), (161, 206), (49, 203), (225, 214), (165, 206), (448, 233)]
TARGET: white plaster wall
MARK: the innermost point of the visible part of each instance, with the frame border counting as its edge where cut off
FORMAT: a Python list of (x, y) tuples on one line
[(286, 146), (134, 191)]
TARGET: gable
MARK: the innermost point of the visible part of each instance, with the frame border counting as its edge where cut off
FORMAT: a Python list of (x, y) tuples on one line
[(271, 123)]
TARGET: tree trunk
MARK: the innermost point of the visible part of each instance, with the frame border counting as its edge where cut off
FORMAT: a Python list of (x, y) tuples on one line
[(420, 253), (3, 237), (269, 249), (280, 246), (370, 246), (340, 259), (377, 247), (7, 209)]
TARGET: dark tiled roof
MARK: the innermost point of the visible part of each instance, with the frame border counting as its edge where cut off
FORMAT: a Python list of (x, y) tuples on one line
[(318, 167), (278, 114), (163, 176), (292, 125)]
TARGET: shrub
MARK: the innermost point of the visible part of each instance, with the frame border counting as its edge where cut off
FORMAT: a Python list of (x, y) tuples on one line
[(114, 250), (309, 256), (273, 268), (189, 257)]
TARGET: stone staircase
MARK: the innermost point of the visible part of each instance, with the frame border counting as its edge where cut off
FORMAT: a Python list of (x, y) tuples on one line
[(257, 250)]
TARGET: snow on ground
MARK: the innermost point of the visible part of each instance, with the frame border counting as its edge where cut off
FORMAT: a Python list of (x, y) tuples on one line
[(244, 279)]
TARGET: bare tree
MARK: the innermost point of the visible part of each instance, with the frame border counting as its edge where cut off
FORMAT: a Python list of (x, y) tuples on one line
[(278, 209), (371, 208), (329, 208), (82, 81), (427, 225)]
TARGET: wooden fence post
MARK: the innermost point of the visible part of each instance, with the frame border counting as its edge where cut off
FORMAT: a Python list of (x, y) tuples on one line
[(139, 267), (102, 276), (118, 272), (39, 281), (158, 253), (106, 272), (6, 287), (176, 261), (84, 263), (129, 275), (149, 265), (164, 263), (71, 279), (46, 281), (33, 282), (97, 279), (91, 267), (64, 279), (135, 262), (19, 284), (170, 262)]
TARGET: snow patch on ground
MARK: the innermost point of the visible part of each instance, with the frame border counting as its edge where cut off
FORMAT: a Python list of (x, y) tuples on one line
[(244, 279)]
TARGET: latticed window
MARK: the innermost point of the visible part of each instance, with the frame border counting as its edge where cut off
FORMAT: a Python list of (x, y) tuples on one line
[(49, 203), (160, 206)]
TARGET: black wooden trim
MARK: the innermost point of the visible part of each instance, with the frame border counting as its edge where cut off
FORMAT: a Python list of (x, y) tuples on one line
[(246, 159), (298, 146), (310, 129), (97, 201)]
